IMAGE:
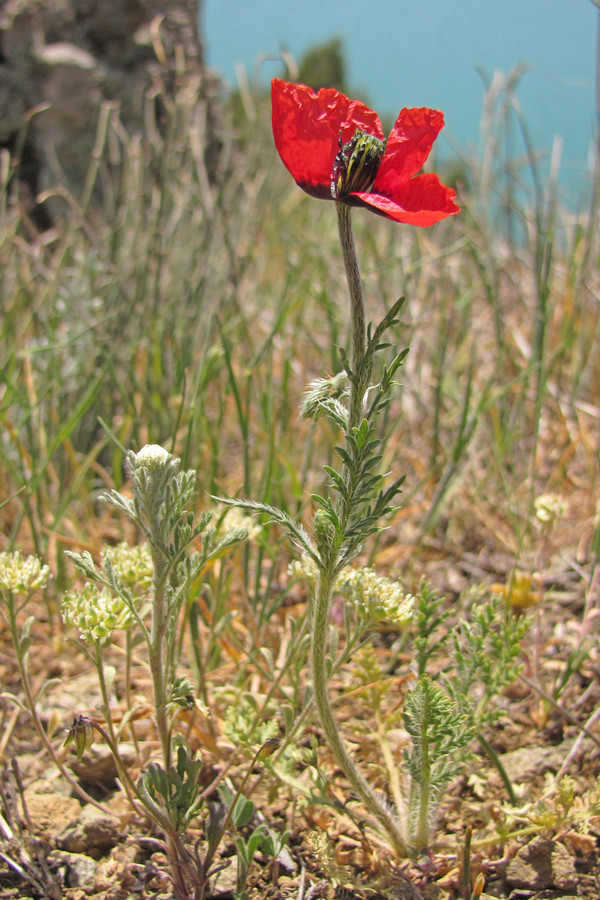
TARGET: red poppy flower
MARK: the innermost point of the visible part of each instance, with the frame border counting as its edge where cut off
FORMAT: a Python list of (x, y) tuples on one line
[(335, 150)]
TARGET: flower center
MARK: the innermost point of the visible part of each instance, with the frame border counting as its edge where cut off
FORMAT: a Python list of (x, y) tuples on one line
[(356, 164)]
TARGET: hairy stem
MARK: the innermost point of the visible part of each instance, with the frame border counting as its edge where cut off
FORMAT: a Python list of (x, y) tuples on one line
[(422, 831), (156, 652), (320, 620), (104, 691), (360, 377), (333, 555), (128, 694), (392, 768)]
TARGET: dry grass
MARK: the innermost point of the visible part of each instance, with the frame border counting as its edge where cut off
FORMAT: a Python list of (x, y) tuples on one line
[(193, 313)]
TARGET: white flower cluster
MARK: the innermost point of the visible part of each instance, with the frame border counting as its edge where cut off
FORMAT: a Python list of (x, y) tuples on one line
[(22, 574), (134, 564), (549, 508), (235, 518), (96, 612), (377, 598), (303, 568), (152, 456)]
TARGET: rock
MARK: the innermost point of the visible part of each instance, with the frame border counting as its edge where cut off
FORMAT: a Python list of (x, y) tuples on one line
[(77, 870), (564, 875), (49, 811), (225, 880), (61, 59), (93, 832), (526, 762), (542, 864), (98, 767)]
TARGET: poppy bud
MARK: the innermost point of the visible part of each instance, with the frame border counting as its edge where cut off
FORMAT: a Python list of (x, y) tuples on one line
[(356, 164)]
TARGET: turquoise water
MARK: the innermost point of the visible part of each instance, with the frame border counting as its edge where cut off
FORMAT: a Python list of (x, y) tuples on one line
[(428, 52)]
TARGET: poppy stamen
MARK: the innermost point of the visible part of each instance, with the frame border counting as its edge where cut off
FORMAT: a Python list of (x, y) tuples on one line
[(356, 164)]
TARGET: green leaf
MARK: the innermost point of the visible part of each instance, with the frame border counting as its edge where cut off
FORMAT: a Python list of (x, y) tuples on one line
[(242, 811), (217, 813), (255, 840)]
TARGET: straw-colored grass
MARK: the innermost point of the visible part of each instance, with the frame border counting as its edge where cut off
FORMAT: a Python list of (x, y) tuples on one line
[(169, 307)]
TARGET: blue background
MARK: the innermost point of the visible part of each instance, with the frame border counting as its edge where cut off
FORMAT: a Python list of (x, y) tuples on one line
[(427, 53)]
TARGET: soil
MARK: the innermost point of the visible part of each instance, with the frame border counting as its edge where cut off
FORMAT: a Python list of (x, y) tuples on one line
[(54, 844)]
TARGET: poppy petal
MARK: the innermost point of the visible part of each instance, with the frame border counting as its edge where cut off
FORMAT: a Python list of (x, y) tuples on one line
[(306, 128), (407, 148), (423, 200)]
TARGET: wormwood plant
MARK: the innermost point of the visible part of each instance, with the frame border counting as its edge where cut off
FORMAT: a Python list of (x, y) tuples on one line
[(180, 549), (20, 578), (335, 150)]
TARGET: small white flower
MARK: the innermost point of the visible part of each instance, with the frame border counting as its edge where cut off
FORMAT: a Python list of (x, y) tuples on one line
[(133, 564), (152, 456), (303, 568), (236, 519), (22, 574), (549, 508), (96, 612), (377, 598)]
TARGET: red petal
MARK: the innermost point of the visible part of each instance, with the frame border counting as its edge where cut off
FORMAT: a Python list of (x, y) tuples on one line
[(423, 200), (407, 148), (306, 130)]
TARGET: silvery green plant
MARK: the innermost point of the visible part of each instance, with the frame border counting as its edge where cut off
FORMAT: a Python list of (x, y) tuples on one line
[(481, 656), (438, 730), (160, 506), (21, 577), (143, 593)]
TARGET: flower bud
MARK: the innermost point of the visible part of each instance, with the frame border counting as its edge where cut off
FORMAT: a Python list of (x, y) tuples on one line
[(324, 529), (151, 457), (270, 746), (81, 733), (96, 612), (321, 394), (132, 564)]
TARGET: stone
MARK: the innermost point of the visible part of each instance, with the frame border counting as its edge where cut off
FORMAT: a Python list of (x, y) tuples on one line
[(49, 811), (542, 864), (77, 869), (531, 761), (60, 60), (92, 831), (98, 767)]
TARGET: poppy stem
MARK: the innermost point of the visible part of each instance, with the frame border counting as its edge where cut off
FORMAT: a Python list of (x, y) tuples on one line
[(319, 637), (360, 377), (333, 547)]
